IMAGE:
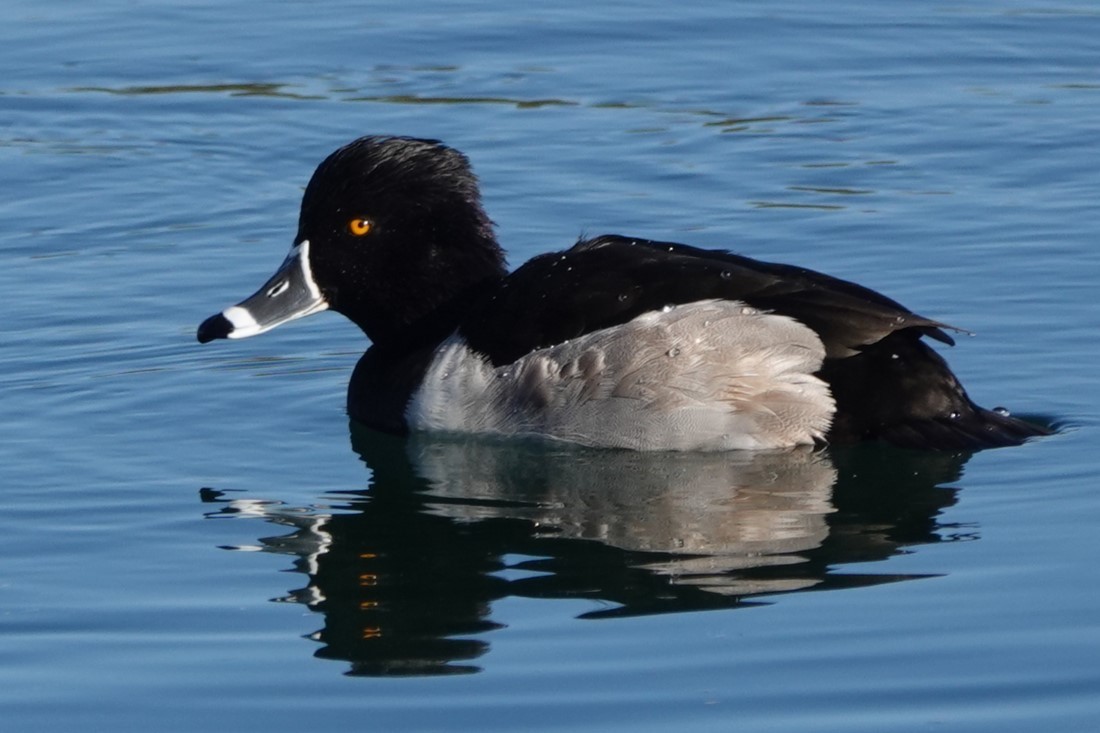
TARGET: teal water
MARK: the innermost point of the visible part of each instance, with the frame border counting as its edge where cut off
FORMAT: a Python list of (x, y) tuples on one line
[(194, 537)]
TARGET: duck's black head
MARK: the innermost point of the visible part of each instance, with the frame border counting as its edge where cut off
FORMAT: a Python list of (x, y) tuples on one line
[(391, 234)]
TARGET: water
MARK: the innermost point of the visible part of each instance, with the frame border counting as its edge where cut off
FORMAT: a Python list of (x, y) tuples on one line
[(153, 157)]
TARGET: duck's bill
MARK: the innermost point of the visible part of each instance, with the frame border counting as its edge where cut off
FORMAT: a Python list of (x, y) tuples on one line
[(290, 293)]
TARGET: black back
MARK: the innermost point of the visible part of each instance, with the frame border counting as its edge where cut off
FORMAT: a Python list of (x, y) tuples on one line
[(609, 280)]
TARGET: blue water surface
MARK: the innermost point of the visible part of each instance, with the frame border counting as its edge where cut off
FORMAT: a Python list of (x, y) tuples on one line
[(196, 537)]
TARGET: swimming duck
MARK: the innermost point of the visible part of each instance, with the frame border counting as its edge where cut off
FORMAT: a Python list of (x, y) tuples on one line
[(616, 341)]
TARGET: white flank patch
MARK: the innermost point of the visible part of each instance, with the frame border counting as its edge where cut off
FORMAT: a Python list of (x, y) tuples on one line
[(712, 375), (453, 393)]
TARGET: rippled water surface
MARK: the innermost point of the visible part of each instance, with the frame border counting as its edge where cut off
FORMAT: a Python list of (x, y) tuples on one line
[(196, 538)]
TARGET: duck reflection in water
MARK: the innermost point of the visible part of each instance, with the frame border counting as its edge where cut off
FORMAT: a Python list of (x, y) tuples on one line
[(406, 572)]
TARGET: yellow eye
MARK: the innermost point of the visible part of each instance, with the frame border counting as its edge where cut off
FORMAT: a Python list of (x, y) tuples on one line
[(359, 227)]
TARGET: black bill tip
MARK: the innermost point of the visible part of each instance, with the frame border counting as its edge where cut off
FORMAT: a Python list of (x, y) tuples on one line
[(214, 327)]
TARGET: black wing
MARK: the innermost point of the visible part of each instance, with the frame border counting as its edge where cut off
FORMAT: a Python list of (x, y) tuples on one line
[(610, 280)]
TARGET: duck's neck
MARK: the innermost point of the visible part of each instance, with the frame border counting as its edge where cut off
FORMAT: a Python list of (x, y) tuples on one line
[(427, 303), (405, 339)]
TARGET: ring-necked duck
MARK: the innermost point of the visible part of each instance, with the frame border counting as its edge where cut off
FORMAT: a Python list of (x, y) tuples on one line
[(614, 342)]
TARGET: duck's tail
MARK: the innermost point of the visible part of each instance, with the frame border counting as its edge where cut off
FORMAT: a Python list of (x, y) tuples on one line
[(973, 430), (901, 391)]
